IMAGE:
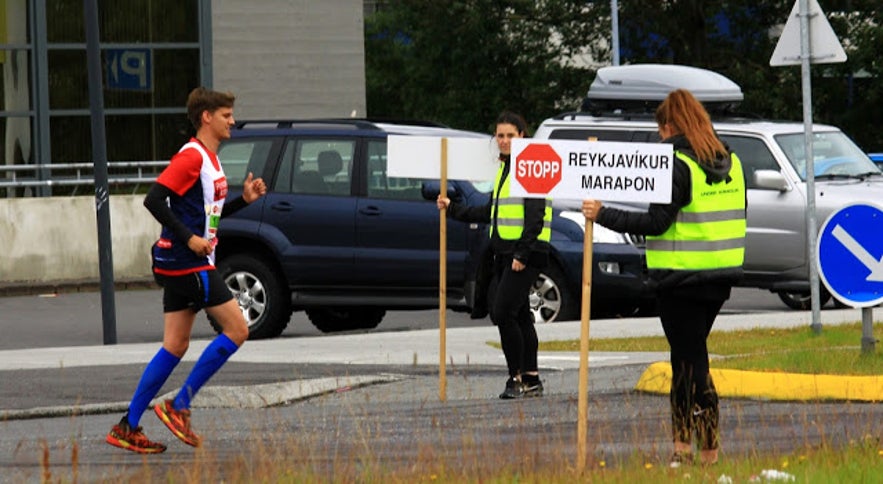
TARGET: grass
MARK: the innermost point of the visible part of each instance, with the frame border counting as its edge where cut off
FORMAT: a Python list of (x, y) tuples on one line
[(837, 350), (858, 461)]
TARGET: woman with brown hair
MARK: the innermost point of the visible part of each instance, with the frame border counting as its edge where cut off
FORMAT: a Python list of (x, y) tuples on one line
[(695, 251)]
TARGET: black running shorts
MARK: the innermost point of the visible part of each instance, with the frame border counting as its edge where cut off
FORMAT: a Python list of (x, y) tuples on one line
[(203, 289)]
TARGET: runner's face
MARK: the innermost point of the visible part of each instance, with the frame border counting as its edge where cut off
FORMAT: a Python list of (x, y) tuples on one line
[(505, 133), (220, 122)]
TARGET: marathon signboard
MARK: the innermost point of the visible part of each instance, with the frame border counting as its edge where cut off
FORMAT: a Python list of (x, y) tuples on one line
[(603, 170)]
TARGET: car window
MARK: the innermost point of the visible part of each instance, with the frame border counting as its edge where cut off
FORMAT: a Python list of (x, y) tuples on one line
[(592, 134), (316, 167), (754, 155), (239, 157), (382, 186), (833, 154)]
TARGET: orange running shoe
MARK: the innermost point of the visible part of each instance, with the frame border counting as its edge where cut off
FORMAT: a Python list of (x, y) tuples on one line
[(178, 421), (122, 435)]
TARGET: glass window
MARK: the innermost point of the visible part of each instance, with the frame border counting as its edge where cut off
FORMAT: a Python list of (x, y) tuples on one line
[(834, 154), (587, 134), (241, 157), (16, 87), (754, 155), (129, 21), (316, 167), (172, 74), (382, 186), (71, 139), (17, 131)]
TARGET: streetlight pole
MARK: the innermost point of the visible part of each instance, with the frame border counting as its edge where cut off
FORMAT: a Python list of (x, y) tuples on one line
[(614, 19)]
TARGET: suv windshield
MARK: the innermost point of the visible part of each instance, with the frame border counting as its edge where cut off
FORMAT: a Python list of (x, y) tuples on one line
[(834, 155)]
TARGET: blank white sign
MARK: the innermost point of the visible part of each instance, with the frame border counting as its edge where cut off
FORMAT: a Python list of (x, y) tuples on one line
[(475, 159)]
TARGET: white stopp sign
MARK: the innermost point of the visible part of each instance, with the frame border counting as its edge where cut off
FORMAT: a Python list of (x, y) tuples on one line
[(603, 170)]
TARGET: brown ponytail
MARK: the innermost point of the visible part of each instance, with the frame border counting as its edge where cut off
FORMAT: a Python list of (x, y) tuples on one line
[(685, 115)]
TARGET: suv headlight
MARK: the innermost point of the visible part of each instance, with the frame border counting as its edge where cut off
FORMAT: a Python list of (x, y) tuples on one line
[(600, 234)]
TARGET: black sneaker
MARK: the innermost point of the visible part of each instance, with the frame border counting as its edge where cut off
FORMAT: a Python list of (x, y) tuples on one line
[(532, 388), (513, 389)]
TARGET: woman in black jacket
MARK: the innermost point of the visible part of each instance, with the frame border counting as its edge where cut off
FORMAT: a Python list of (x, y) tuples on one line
[(695, 251), (520, 231)]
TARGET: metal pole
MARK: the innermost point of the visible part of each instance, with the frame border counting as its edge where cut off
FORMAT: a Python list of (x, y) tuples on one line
[(614, 19), (99, 155), (868, 340), (443, 276), (811, 229)]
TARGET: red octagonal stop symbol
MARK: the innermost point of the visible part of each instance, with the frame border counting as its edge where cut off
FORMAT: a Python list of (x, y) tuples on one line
[(538, 168)]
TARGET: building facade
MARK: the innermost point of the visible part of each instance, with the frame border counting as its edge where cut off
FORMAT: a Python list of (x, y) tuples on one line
[(281, 58)]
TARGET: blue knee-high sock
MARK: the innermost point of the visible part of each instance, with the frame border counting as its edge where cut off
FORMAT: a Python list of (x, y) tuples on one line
[(210, 361), (153, 378)]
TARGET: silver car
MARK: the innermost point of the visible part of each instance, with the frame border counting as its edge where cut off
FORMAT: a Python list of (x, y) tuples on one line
[(773, 157)]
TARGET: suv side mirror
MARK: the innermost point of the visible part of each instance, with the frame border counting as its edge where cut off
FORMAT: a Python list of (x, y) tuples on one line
[(771, 180)]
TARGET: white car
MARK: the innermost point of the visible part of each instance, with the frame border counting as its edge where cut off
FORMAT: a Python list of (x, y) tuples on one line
[(621, 103)]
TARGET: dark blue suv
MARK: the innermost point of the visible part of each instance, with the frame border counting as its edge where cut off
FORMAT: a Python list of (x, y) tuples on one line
[(337, 238)]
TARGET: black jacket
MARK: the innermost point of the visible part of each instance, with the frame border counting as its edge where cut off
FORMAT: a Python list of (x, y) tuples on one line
[(658, 217), (527, 249)]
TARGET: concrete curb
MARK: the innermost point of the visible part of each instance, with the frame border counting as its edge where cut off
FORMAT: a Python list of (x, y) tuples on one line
[(247, 396), (274, 394), (773, 386), (35, 288)]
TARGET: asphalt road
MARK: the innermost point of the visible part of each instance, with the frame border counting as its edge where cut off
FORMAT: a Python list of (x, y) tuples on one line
[(379, 412), (69, 319)]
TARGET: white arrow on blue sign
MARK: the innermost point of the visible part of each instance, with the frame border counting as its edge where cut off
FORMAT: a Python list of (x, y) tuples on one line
[(850, 255)]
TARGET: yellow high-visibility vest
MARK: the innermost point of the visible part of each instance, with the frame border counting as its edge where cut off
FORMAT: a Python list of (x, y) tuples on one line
[(510, 212), (709, 232)]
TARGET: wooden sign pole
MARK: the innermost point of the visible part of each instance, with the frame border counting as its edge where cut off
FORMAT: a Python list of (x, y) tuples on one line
[(585, 319)]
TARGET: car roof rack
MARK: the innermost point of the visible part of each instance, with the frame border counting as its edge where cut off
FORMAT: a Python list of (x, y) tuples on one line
[(293, 123), (353, 123), (638, 88)]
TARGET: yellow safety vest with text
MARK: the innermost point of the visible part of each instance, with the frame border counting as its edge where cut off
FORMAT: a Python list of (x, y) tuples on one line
[(509, 212), (709, 232)]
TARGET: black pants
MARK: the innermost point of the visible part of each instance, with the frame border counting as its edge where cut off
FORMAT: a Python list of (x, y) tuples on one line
[(510, 311), (695, 406)]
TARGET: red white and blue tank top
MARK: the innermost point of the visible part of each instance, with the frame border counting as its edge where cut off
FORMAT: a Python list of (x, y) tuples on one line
[(200, 187)]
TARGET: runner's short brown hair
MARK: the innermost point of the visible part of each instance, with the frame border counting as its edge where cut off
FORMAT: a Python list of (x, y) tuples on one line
[(202, 99)]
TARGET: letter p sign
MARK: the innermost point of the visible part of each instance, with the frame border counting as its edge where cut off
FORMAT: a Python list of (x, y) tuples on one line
[(129, 69)]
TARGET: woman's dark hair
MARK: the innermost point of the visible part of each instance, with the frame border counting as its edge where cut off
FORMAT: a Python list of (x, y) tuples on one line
[(508, 117)]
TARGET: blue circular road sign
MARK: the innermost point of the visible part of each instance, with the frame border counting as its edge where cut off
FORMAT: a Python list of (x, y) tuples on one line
[(850, 255)]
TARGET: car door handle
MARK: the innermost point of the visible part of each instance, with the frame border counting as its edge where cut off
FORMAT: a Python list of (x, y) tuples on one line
[(370, 210), (282, 206)]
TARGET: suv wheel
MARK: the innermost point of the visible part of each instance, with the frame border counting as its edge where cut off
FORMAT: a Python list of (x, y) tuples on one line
[(262, 295), (329, 320), (550, 300), (802, 300)]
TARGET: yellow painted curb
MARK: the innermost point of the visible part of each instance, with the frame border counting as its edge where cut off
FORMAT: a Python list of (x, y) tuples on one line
[(773, 386)]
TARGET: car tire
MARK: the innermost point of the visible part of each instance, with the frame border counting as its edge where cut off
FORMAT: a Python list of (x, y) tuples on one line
[(802, 300), (550, 298), (261, 293), (329, 320)]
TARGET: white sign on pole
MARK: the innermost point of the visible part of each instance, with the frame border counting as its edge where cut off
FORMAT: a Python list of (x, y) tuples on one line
[(825, 47), (420, 157), (603, 170)]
